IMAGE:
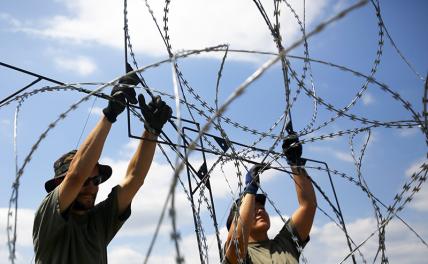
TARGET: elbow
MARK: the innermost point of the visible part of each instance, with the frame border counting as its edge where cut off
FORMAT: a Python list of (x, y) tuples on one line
[(310, 205)]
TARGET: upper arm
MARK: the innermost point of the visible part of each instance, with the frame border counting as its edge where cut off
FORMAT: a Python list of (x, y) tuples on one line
[(303, 219), (137, 170), (230, 249), (68, 191), (240, 230), (126, 192)]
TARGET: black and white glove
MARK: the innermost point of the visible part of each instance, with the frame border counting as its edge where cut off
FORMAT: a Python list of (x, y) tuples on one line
[(292, 149), (156, 113), (121, 93)]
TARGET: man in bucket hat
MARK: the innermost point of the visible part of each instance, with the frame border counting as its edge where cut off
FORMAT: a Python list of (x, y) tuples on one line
[(68, 226), (247, 240)]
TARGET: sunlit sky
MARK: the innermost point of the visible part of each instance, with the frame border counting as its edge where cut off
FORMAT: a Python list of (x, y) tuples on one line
[(81, 41)]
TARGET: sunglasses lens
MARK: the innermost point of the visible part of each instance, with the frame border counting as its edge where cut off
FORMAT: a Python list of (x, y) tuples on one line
[(95, 180)]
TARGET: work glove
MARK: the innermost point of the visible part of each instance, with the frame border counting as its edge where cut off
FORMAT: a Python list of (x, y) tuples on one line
[(252, 180), (156, 113), (121, 93), (292, 149)]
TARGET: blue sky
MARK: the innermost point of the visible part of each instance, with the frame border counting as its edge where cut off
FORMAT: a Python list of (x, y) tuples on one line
[(82, 41)]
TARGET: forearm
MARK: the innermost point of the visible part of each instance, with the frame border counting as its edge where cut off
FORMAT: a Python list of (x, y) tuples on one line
[(89, 152), (304, 216), (137, 170), (304, 188), (141, 161), (240, 229), (83, 163)]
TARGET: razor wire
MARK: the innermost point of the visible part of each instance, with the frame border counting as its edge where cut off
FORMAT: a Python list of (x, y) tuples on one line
[(214, 116)]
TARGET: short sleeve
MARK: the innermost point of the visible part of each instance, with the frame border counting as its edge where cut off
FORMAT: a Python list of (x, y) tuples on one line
[(48, 220), (107, 215), (289, 238)]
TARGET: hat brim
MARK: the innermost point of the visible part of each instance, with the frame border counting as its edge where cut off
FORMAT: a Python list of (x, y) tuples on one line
[(260, 198), (105, 172)]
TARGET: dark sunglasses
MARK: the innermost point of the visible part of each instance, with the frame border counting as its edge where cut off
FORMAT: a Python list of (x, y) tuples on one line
[(96, 180)]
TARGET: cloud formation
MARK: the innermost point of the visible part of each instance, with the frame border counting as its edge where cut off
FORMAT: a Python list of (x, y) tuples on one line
[(80, 65), (419, 202), (191, 25)]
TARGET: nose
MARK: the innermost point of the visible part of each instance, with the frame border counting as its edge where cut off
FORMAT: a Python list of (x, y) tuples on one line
[(259, 211), (90, 186)]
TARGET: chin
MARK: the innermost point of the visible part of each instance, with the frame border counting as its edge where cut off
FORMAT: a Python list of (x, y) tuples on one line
[(85, 205), (263, 226)]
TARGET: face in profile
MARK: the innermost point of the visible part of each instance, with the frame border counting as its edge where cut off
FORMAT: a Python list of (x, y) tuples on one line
[(261, 219), (85, 200)]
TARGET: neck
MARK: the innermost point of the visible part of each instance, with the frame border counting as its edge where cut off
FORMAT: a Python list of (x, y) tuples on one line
[(258, 236), (78, 212), (78, 208)]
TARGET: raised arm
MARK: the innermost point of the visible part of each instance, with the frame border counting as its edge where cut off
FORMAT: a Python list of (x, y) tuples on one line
[(303, 217), (240, 229), (83, 163), (156, 114), (89, 152)]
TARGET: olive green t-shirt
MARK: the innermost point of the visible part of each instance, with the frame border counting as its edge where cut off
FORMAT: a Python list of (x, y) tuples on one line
[(69, 238), (280, 250)]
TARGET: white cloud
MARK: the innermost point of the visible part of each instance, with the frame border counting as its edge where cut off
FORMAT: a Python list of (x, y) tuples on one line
[(420, 199), (120, 253), (328, 243), (415, 167), (367, 99), (340, 5), (81, 65), (15, 23), (147, 204), (25, 226), (192, 24), (344, 156), (5, 122), (408, 132), (419, 202), (24, 242), (338, 154), (96, 111)]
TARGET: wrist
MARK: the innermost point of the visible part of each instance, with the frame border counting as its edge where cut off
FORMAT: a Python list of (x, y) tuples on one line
[(150, 135), (151, 130), (109, 115), (251, 188), (297, 162)]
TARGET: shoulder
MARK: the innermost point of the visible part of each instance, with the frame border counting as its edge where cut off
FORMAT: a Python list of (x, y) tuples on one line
[(49, 207), (109, 207), (289, 238)]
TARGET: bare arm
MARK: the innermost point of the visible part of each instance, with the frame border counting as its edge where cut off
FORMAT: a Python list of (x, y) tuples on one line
[(83, 163), (303, 217), (137, 170), (243, 225)]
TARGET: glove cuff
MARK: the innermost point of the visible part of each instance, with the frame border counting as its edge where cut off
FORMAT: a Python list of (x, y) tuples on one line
[(110, 115), (251, 188), (297, 162), (151, 130)]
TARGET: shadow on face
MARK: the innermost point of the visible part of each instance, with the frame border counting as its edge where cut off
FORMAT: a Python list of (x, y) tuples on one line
[(85, 200)]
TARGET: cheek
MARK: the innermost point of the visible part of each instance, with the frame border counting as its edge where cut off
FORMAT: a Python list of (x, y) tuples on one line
[(266, 216)]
